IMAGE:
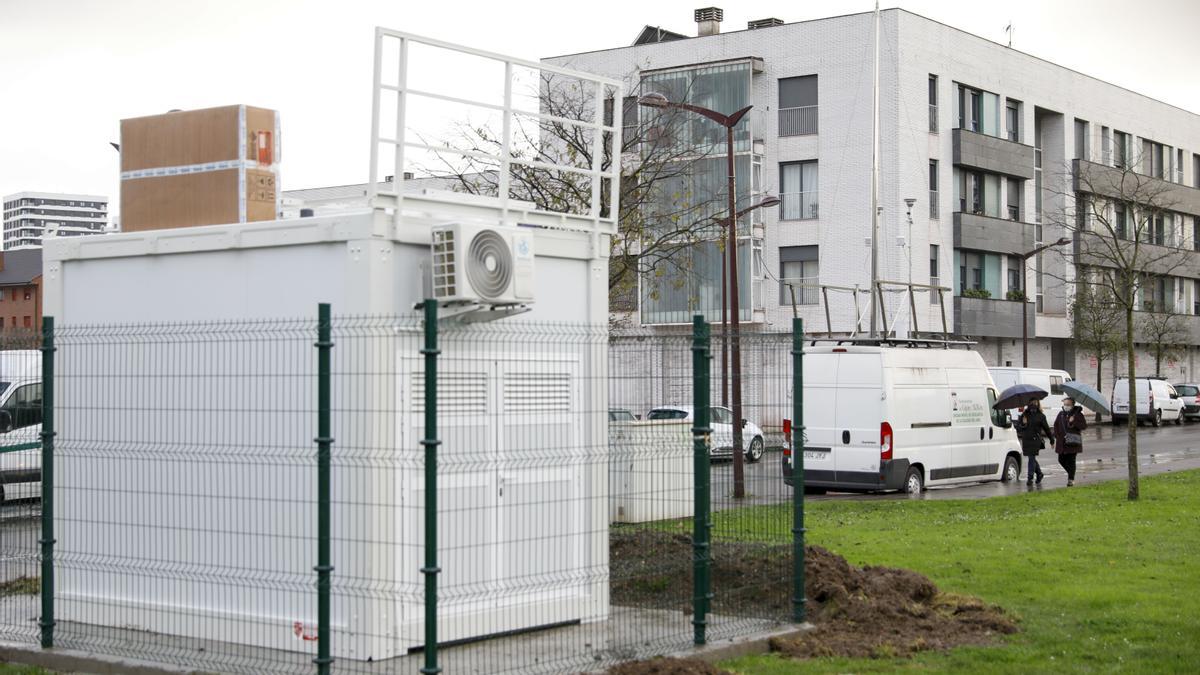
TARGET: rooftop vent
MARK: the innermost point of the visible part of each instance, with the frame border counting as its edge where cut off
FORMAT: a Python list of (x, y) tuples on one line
[(764, 23), (708, 20)]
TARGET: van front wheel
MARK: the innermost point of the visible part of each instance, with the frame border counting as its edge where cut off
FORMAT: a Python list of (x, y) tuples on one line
[(1157, 418), (914, 482), (1012, 470)]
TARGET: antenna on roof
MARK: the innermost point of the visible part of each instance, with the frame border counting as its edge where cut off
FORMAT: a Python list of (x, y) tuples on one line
[(1010, 30)]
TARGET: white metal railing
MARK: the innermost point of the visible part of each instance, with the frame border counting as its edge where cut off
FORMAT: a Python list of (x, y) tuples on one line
[(933, 203), (934, 296), (799, 205), (933, 117), (595, 90), (800, 121)]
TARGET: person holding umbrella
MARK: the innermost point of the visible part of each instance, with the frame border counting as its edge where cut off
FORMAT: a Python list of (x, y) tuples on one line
[(1031, 427), (1068, 438)]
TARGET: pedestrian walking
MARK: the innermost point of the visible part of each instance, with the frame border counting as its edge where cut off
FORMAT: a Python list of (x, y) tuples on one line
[(1068, 438), (1034, 431)]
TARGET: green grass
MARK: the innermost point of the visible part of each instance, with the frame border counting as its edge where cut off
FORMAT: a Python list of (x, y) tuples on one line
[(9, 669), (1100, 584)]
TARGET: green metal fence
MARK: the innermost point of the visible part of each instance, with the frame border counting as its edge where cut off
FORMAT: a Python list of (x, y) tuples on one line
[(397, 494)]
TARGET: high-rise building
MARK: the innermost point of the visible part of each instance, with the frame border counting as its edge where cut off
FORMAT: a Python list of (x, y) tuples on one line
[(28, 215), (999, 149)]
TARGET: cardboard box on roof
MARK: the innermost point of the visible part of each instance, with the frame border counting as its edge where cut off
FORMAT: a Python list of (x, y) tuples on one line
[(200, 167)]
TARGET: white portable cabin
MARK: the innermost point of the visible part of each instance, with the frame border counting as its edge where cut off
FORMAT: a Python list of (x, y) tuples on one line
[(212, 552)]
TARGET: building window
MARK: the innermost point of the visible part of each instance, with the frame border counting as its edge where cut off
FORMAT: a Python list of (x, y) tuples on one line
[(1120, 221), (798, 106), (1195, 170), (1196, 233), (935, 277), (933, 188), (799, 190), (1012, 120), (799, 272), (978, 110), (1081, 139), (1120, 149), (933, 104), (978, 193), (1196, 297), (1014, 199), (1015, 277), (1153, 158), (28, 323)]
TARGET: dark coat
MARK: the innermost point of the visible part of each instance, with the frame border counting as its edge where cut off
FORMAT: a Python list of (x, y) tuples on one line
[(1073, 421), (1031, 426)]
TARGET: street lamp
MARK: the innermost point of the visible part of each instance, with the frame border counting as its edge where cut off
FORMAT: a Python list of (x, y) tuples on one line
[(1024, 303), (657, 100), (912, 305)]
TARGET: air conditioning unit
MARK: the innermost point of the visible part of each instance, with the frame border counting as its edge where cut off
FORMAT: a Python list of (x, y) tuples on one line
[(484, 264)]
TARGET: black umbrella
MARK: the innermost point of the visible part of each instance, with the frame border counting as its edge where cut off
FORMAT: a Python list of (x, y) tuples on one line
[(1019, 396)]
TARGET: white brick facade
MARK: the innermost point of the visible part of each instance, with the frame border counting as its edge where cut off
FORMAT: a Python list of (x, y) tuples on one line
[(839, 51)]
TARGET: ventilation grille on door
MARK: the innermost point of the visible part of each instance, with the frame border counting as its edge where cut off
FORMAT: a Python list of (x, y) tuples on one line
[(444, 264), (458, 393), (540, 392)]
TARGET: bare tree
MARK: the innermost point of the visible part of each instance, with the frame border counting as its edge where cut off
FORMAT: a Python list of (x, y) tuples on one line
[(1096, 325), (1121, 236), (1165, 334), (665, 207)]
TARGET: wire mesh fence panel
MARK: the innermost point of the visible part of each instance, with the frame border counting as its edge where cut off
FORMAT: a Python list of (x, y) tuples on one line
[(184, 493), (752, 518), (20, 484)]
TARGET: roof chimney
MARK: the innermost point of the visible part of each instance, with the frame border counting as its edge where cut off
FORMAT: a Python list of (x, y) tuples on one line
[(764, 23), (708, 20)]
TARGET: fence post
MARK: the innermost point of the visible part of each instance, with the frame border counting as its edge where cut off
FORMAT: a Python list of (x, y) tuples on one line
[(701, 521), (46, 622), (430, 443), (799, 601), (324, 568)]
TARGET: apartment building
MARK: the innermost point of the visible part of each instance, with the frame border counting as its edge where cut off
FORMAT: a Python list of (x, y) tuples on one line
[(28, 215), (987, 141), (21, 291)]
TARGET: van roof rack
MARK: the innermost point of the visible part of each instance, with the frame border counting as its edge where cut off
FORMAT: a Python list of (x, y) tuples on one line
[(891, 342)]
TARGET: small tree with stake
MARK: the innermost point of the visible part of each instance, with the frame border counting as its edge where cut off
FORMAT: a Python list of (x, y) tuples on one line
[(1118, 226), (1164, 332)]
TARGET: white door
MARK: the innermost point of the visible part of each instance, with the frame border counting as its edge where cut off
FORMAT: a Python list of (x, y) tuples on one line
[(542, 502), (20, 446), (858, 418)]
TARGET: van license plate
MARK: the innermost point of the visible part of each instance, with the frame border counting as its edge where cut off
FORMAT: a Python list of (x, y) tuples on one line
[(1122, 407), (816, 453)]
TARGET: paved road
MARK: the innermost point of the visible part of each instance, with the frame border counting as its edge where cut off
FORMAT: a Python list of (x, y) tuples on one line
[(1168, 448)]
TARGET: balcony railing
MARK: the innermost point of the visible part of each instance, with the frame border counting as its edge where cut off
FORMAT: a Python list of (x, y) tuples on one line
[(933, 204), (798, 121), (933, 121), (934, 296), (798, 205), (808, 291)]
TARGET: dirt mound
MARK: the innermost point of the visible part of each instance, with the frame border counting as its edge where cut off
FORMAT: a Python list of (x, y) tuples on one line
[(664, 666), (858, 612)]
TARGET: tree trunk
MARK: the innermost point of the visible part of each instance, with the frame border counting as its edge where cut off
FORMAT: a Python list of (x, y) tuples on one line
[(1099, 379), (1132, 381)]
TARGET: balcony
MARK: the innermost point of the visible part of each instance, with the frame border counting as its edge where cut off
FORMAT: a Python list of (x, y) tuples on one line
[(988, 317), (1109, 181), (1098, 250), (994, 155), (995, 235), (798, 121)]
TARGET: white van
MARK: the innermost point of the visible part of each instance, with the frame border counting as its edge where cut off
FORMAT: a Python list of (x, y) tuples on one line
[(1046, 379), (20, 424), (901, 418), (1157, 401)]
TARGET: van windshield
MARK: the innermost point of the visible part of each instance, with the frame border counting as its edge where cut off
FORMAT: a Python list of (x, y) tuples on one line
[(4, 387)]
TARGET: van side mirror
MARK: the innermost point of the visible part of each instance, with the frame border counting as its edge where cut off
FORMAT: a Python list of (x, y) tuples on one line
[(744, 423), (6, 422)]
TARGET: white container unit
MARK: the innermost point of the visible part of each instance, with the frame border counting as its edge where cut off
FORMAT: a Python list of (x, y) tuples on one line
[(651, 471), (166, 525)]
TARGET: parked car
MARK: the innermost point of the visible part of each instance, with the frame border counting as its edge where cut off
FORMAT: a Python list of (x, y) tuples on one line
[(721, 421), (620, 415), (1189, 395), (20, 424), (1048, 379), (1157, 401), (900, 418)]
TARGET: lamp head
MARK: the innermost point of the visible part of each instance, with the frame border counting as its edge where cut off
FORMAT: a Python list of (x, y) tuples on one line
[(769, 200), (909, 202), (654, 100)]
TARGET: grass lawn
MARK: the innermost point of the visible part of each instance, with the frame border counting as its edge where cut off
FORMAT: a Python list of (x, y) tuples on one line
[(1099, 584)]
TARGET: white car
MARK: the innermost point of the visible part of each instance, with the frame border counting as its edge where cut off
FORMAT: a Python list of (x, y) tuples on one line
[(1189, 394), (1157, 401), (20, 424), (721, 421)]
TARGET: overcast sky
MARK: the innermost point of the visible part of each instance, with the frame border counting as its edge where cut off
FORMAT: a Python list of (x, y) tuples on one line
[(71, 69)]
